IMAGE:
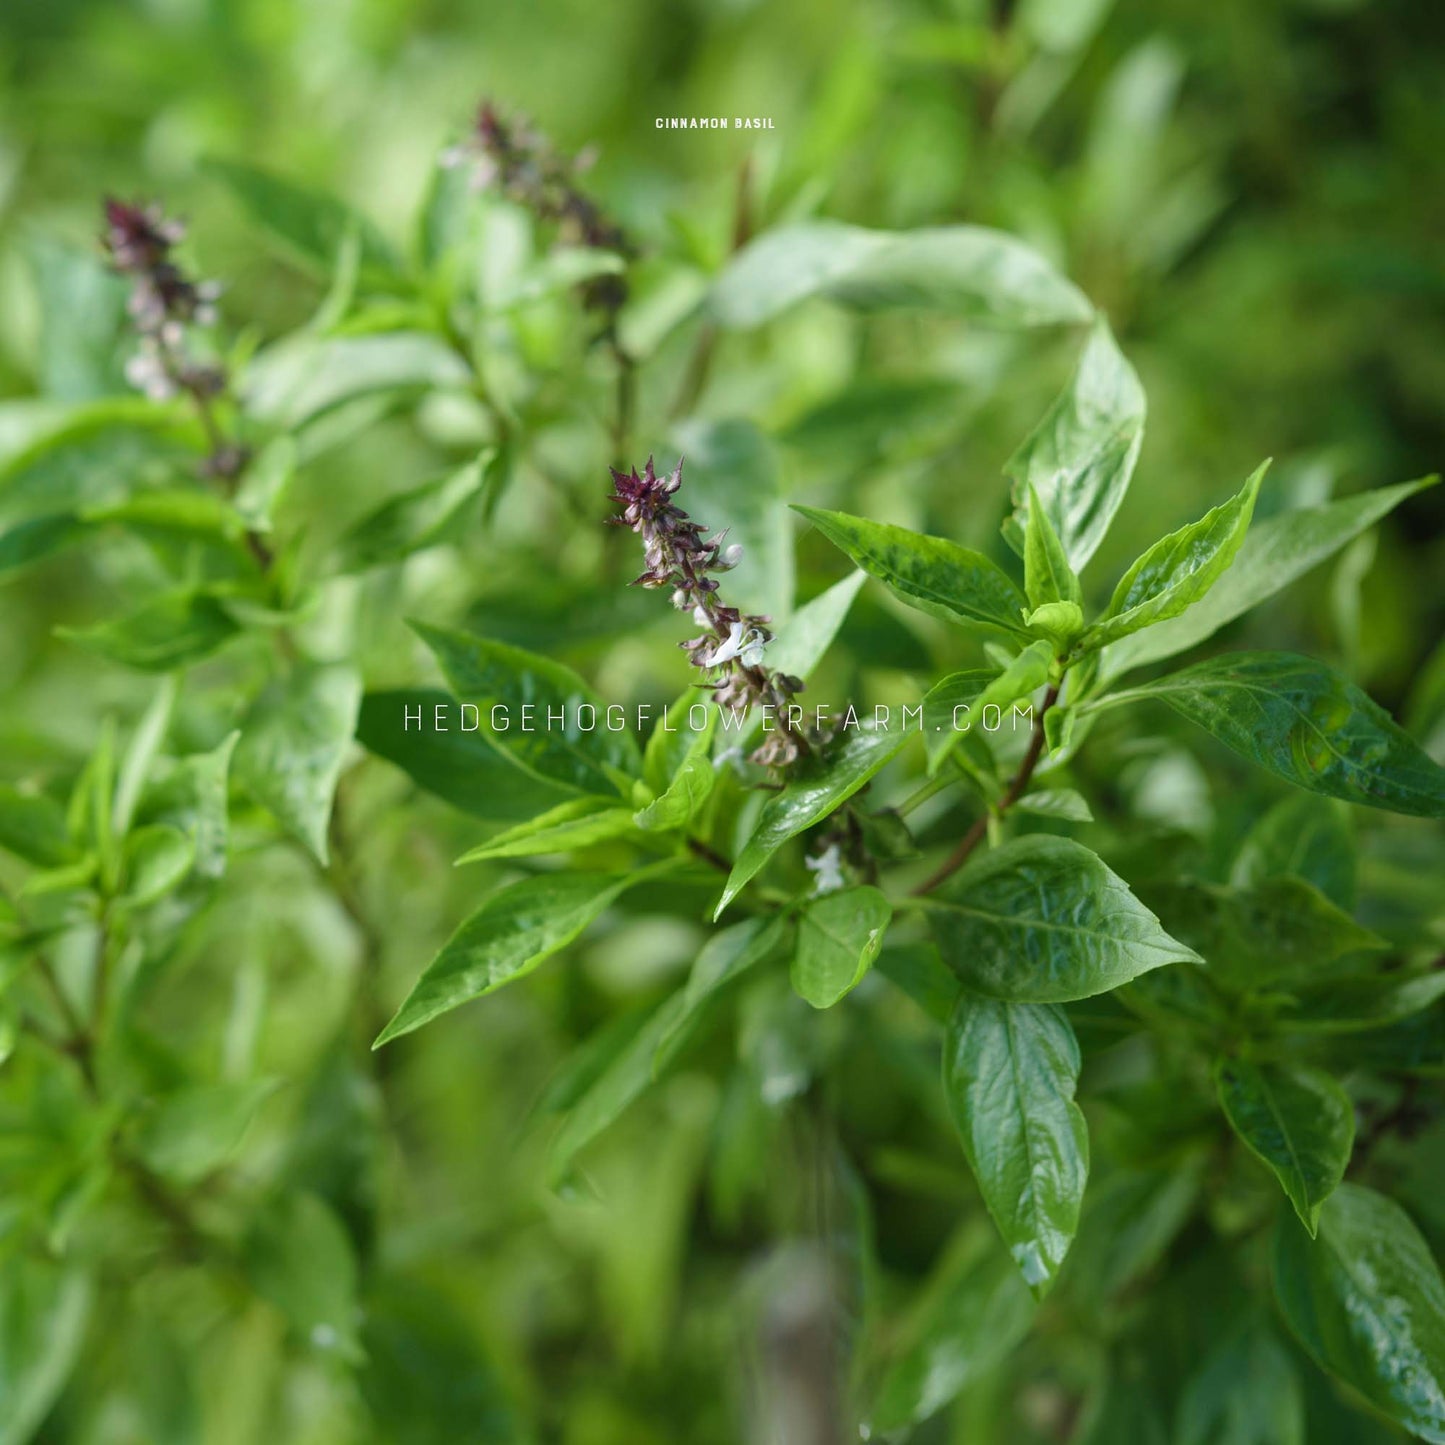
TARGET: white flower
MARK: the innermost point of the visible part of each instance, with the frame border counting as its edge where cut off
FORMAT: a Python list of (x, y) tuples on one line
[(699, 615), (828, 865), (746, 646)]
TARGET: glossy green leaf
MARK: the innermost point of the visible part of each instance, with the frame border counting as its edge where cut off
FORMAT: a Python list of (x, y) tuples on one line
[(1306, 837), (312, 226), (839, 936), (1295, 717), (298, 1256), (515, 929), (577, 823), (1043, 920), (33, 827), (811, 798), (1177, 570), (293, 745), (44, 1309), (1297, 1120), (1048, 577), (536, 712), (408, 523), (984, 275), (971, 1316), (462, 768), (936, 576), (168, 632), (1277, 550), (732, 481), (1365, 1298), (1009, 1075), (1081, 456), (194, 1131), (1059, 622)]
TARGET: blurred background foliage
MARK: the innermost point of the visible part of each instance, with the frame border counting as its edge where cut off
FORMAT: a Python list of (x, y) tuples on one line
[(1254, 192)]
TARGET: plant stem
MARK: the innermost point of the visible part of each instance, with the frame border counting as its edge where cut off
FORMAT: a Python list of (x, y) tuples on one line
[(979, 831)]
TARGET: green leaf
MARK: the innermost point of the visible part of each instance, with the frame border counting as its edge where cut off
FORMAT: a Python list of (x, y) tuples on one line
[(1360, 1001), (313, 227), (263, 485), (36, 540), (839, 936), (1178, 570), (1059, 622), (1061, 803), (919, 970), (517, 928), (689, 788), (799, 644), (1009, 1075), (1028, 672), (192, 1132), (936, 576), (984, 275), (520, 695), (192, 796), (1295, 717), (948, 711), (462, 768), (1282, 930), (673, 736), (972, 1315), (406, 524), (83, 320), (298, 1256), (1277, 551), (809, 799), (1048, 577), (1366, 1300), (157, 858), (1302, 837), (171, 511), (140, 755), (1043, 920), (44, 1309), (1297, 1120), (726, 956), (576, 823), (1246, 1392), (1080, 458), (732, 482), (171, 631), (293, 745), (33, 827)]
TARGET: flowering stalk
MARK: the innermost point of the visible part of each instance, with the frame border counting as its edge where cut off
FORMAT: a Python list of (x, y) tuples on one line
[(730, 650), (516, 160), (164, 302)]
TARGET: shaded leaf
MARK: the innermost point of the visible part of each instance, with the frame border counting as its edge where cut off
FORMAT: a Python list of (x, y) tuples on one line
[(839, 936), (43, 1313), (193, 1131), (408, 523), (1297, 1120), (171, 631), (576, 823)]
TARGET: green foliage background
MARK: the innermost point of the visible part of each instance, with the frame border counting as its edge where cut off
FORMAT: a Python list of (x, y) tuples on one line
[(1252, 192)]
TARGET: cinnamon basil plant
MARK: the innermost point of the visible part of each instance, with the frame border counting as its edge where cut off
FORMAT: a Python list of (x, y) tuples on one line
[(961, 960)]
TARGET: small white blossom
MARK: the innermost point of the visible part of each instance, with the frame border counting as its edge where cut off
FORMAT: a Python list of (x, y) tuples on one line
[(828, 865)]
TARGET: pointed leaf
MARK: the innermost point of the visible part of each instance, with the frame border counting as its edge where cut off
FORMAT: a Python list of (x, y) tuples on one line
[(1178, 570), (577, 823), (1048, 577), (1080, 457), (537, 712), (1295, 717), (1366, 1300), (1009, 1075), (171, 631), (811, 798), (1294, 1118), (936, 576), (410, 522), (1043, 920)]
